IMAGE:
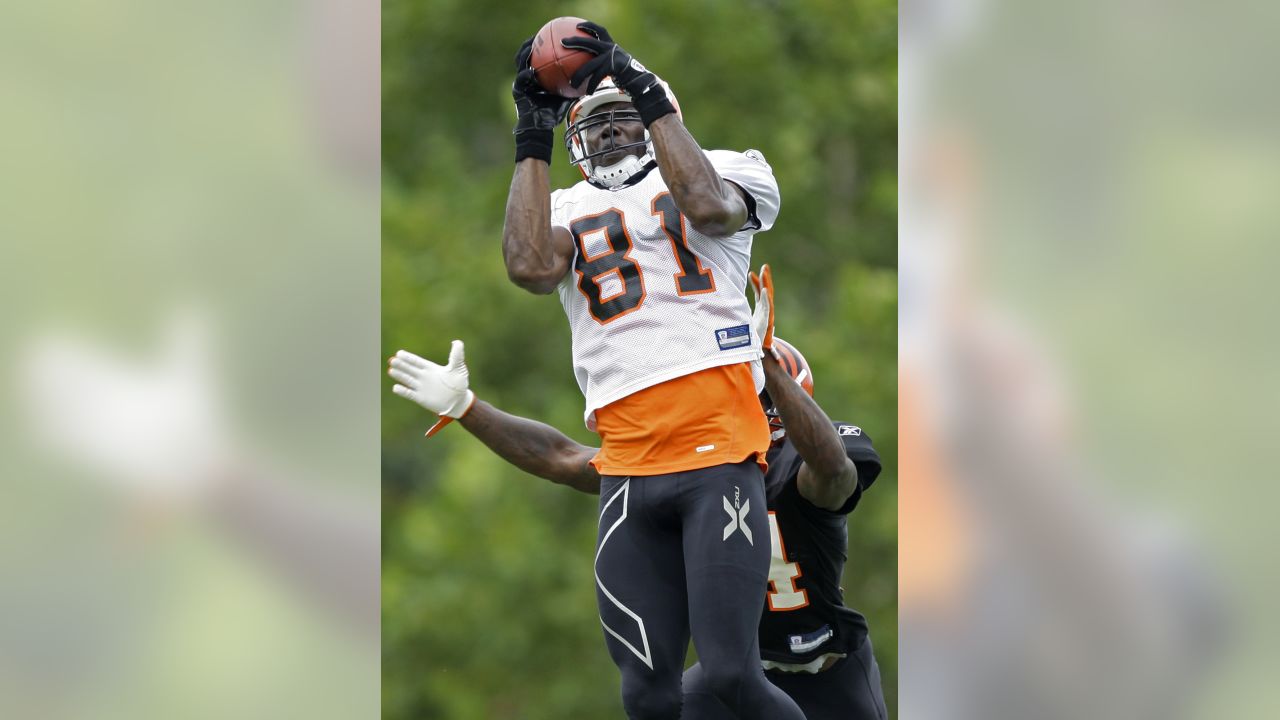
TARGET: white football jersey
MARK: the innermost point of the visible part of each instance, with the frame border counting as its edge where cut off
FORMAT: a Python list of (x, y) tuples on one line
[(648, 297)]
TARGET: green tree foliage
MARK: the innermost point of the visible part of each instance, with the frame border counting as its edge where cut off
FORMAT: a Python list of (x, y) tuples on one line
[(488, 600)]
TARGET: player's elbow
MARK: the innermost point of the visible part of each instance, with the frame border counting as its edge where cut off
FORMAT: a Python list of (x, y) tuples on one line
[(714, 228), (535, 281), (573, 469), (715, 215), (829, 487), (836, 470), (532, 262)]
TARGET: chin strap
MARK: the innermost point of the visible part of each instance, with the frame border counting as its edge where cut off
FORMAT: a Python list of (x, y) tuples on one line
[(627, 171), (617, 173)]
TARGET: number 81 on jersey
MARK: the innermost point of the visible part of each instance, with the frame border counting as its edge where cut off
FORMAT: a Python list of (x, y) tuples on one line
[(616, 261)]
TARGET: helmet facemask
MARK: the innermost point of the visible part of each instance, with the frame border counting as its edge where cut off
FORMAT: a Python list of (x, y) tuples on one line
[(583, 116), (587, 158)]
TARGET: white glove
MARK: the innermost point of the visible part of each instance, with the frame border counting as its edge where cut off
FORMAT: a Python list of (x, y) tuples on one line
[(442, 389), (762, 316)]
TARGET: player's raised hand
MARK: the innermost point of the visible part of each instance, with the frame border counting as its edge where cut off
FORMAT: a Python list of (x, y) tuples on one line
[(610, 59), (538, 112), (442, 389), (762, 316), (647, 92)]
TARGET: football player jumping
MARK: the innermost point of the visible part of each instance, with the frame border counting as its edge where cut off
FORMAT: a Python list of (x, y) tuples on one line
[(649, 255), (812, 646)]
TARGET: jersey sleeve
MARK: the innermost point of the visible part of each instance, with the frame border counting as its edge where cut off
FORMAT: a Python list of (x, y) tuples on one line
[(858, 448), (751, 172)]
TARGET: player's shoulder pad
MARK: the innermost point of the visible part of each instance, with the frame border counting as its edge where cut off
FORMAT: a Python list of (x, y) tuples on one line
[(561, 199), (575, 192), (749, 160), (563, 196), (751, 172), (758, 156)]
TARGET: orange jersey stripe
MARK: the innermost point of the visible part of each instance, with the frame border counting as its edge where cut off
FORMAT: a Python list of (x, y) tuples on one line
[(707, 418)]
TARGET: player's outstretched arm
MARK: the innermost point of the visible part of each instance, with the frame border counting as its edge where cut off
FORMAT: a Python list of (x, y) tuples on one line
[(534, 447), (828, 477), (531, 446), (714, 207), (536, 255)]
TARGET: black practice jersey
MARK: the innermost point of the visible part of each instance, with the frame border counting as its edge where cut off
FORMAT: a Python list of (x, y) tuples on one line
[(805, 616)]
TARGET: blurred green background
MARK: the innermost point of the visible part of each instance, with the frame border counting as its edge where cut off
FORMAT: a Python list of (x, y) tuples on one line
[(488, 598)]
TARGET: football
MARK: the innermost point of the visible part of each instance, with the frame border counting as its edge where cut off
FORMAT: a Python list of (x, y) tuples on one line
[(554, 63)]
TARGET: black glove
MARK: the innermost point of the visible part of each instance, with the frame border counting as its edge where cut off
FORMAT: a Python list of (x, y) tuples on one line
[(538, 112), (646, 91)]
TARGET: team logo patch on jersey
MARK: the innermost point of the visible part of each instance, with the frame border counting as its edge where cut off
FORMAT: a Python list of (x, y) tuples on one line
[(850, 430), (734, 337), (801, 644)]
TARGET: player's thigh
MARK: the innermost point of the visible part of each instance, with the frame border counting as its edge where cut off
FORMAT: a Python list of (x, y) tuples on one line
[(726, 548), (725, 518), (640, 577)]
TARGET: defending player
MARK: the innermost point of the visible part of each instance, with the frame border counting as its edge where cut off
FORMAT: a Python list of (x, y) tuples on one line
[(649, 255), (816, 649)]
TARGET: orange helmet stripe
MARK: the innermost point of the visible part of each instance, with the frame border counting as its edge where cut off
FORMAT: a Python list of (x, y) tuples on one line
[(794, 363)]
